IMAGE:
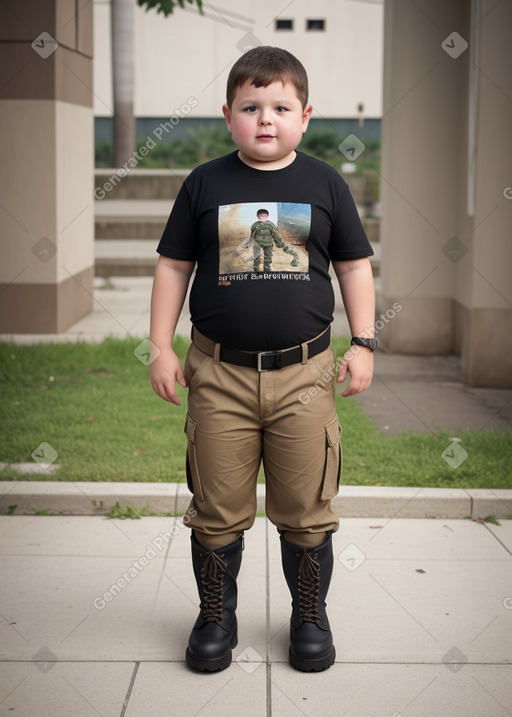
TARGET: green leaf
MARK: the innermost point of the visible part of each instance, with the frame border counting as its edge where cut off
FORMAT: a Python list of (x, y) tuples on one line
[(167, 6)]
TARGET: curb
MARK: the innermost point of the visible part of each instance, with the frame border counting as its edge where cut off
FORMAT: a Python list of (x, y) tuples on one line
[(91, 498)]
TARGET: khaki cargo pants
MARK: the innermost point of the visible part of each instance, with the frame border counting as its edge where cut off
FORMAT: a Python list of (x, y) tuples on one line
[(238, 417)]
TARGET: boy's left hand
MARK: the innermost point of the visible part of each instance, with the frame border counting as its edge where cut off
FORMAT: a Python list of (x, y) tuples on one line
[(358, 362)]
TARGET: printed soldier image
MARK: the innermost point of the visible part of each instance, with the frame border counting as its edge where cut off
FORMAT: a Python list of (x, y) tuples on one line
[(264, 235), (264, 238)]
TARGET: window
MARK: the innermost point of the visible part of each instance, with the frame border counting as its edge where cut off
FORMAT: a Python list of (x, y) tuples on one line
[(315, 25), (284, 25)]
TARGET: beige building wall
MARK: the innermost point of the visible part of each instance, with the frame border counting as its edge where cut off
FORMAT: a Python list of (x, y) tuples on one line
[(46, 184), (447, 221), (486, 345), (188, 55)]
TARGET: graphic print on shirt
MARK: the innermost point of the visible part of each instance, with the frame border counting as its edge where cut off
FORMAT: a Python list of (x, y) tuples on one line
[(265, 239)]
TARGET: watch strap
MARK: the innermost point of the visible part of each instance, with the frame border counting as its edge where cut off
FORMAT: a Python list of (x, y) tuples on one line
[(367, 343)]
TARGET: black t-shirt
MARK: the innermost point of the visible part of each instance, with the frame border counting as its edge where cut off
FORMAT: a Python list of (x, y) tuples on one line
[(254, 293)]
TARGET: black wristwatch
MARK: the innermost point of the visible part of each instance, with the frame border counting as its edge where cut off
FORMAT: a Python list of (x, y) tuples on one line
[(367, 343)]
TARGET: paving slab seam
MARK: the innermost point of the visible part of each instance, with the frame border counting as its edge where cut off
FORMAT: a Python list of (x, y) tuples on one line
[(508, 550), (470, 502), (130, 688)]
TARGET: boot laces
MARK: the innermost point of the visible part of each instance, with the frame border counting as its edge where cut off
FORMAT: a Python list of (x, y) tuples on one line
[(212, 578), (309, 587)]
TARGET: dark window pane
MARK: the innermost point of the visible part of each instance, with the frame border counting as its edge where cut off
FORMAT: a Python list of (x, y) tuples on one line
[(315, 24), (284, 25)]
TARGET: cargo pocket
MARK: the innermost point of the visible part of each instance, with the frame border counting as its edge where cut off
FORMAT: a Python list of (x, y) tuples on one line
[(193, 479), (333, 459)]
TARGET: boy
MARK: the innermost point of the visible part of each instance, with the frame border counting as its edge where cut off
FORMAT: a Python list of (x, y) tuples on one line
[(258, 342), (264, 235)]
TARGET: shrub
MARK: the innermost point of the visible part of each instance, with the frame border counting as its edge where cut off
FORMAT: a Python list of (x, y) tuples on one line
[(206, 144)]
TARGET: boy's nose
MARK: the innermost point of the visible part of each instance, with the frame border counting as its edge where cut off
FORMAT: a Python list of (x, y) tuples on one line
[(265, 117)]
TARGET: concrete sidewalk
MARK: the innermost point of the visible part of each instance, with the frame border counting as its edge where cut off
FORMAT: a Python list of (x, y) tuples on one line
[(96, 615), (96, 612)]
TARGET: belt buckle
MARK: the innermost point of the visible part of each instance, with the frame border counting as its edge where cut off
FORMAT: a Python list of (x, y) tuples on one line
[(278, 360)]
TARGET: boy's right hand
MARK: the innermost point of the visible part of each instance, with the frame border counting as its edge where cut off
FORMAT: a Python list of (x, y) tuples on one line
[(164, 371)]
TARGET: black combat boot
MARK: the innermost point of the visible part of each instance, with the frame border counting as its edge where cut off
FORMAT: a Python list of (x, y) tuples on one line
[(308, 574), (215, 631)]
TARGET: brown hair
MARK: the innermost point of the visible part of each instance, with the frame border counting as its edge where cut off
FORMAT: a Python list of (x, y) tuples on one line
[(264, 65)]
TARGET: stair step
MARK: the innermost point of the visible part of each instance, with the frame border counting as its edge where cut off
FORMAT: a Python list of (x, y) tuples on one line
[(375, 260), (137, 257), (139, 184), (131, 219), (372, 228), (106, 268), (115, 257), (129, 230)]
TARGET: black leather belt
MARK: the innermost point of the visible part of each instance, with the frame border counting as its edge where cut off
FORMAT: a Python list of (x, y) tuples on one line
[(264, 360)]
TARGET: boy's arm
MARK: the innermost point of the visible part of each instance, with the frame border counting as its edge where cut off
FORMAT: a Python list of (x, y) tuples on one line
[(169, 290), (356, 285)]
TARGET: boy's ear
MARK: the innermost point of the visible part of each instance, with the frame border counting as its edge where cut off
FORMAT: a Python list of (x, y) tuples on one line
[(306, 116), (227, 115)]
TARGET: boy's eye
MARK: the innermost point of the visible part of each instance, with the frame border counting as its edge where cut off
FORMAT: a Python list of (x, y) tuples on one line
[(252, 109)]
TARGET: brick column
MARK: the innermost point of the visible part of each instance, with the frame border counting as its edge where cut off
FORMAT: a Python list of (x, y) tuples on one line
[(47, 149), (483, 292), (446, 184)]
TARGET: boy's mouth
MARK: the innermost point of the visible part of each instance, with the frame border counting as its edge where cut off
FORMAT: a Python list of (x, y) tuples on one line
[(265, 136)]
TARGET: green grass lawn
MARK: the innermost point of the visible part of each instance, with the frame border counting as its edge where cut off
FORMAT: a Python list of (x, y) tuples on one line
[(94, 405)]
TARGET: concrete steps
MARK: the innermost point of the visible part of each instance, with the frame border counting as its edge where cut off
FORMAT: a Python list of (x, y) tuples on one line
[(131, 216), (127, 233), (118, 257), (137, 257), (139, 184)]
